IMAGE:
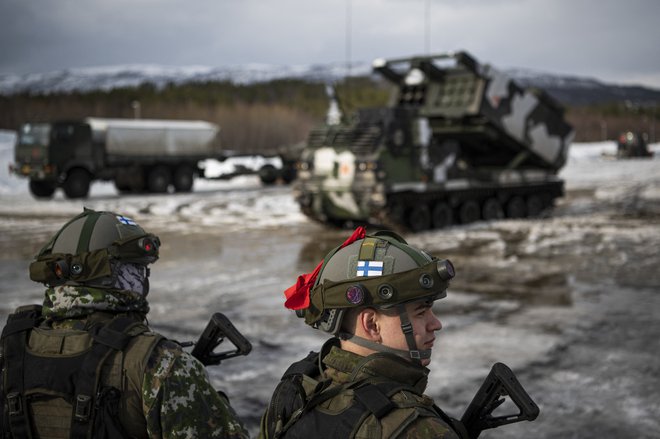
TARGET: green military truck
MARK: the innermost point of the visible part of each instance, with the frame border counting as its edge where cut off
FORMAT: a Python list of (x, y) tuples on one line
[(457, 142), (140, 155)]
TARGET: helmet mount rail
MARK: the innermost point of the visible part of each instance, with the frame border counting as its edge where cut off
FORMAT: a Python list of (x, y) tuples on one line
[(382, 292), (82, 250)]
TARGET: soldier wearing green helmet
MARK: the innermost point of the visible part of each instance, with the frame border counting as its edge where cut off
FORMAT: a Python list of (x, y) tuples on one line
[(85, 363), (374, 294)]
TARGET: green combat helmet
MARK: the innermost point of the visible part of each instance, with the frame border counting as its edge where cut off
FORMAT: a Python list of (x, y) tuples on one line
[(99, 249), (380, 271)]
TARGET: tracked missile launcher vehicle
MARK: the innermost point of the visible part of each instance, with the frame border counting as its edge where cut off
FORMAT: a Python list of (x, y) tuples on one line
[(458, 142)]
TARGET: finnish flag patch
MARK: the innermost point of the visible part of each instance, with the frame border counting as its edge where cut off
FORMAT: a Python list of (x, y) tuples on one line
[(126, 220), (369, 268)]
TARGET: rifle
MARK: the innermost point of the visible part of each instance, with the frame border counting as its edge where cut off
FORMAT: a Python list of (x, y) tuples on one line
[(219, 328), (500, 383)]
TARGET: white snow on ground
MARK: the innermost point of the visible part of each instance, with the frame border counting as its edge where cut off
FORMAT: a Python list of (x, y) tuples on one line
[(244, 203), (240, 203)]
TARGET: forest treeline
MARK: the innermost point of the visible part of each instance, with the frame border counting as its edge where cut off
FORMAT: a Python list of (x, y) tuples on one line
[(263, 117)]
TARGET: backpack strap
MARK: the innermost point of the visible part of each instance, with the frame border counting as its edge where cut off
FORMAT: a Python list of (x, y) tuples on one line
[(374, 399), (108, 338)]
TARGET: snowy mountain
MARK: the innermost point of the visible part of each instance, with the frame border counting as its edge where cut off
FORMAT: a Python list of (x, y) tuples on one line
[(107, 78), (570, 90)]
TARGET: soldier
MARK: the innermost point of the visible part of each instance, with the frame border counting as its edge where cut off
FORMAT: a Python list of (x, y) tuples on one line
[(374, 293), (85, 364)]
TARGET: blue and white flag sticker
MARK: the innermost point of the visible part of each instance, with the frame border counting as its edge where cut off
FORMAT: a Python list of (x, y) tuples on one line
[(370, 268), (126, 220)]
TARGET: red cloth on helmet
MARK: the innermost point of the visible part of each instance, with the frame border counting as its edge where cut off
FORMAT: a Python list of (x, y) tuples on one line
[(297, 295)]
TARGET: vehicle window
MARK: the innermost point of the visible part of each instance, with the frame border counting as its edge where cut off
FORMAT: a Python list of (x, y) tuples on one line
[(34, 134), (63, 132)]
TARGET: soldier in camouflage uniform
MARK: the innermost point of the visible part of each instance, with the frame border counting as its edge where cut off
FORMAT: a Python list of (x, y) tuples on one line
[(374, 293), (85, 364)]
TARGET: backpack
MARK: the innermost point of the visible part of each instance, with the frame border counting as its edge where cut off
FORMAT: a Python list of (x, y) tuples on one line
[(63, 386)]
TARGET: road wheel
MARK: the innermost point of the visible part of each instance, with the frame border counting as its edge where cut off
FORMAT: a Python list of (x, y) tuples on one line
[(419, 218), (77, 184), (534, 205), (159, 179), (492, 210), (516, 208), (42, 189), (442, 215), (184, 177), (469, 212)]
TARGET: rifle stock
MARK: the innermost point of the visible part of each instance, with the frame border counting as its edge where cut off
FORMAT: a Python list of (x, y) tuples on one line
[(219, 328), (500, 383)]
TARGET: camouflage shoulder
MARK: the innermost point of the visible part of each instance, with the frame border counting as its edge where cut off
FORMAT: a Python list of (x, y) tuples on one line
[(430, 427), (179, 400)]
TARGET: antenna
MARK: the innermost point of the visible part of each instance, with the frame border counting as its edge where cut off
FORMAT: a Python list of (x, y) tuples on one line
[(427, 27)]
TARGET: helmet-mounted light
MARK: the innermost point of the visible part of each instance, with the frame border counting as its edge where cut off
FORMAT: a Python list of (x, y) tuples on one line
[(142, 250), (148, 244), (61, 269), (446, 269)]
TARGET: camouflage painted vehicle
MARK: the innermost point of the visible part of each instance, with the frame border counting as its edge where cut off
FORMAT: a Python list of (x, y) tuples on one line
[(458, 142)]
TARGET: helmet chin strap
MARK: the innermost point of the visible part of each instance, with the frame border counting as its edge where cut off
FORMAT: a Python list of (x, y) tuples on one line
[(414, 354)]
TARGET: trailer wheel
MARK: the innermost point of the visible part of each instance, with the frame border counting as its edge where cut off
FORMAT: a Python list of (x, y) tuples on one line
[(516, 208), (42, 189), (77, 184), (534, 205), (268, 174), (442, 215), (159, 179), (469, 212), (492, 210), (419, 218), (184, 177), (289, 174)]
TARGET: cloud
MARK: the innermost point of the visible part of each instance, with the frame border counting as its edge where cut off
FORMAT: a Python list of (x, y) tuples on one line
[(606, 39)]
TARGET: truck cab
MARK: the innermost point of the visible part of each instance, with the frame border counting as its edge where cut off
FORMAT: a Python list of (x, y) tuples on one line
[(54, 154)]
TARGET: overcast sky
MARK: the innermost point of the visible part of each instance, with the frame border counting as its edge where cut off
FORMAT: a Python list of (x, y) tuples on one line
[(611, 40)]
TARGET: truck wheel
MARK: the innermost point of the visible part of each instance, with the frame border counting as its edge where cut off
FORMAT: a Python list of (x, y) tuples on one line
[(184, 177), (515, 208), (268, 174), (469, 212), (289, 174), (42, 189), (534, 206), (159, 180), (122, 187), (492, 210), (442, 215), (77, 183), (419, 218)]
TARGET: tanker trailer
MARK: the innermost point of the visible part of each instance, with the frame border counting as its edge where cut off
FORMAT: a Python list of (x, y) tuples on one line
[(136, 154)]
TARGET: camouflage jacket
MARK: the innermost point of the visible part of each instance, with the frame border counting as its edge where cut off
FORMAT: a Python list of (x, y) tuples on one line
[(413, 414), (178, 399), (344, 366)]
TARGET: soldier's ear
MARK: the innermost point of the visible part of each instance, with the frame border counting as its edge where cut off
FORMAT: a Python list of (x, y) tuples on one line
[(368, 324)]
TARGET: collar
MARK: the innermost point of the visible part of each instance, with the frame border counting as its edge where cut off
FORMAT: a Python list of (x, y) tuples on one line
[(345, 366)]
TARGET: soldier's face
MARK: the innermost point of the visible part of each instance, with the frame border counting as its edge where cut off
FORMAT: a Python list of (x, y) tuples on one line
[(424, 323)]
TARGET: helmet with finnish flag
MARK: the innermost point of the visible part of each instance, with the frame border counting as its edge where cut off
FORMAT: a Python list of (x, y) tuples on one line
[(380, 271), (99, 249)]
